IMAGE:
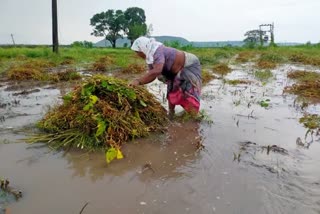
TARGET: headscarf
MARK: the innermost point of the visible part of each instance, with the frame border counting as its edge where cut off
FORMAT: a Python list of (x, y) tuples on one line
[(146, 45)]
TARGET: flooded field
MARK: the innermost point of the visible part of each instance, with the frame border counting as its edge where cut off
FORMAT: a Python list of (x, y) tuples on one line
[(250, 162)]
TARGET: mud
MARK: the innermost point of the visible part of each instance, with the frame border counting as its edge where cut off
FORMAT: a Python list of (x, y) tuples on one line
[(168, 173)]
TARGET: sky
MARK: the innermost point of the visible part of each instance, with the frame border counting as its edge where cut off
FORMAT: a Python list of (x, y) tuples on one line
[(202, 20)]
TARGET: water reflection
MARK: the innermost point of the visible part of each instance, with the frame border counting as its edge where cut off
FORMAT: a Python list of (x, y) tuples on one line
[(156, 157)]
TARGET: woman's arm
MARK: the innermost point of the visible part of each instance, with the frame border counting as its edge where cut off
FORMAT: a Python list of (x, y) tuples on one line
[(149, 76)]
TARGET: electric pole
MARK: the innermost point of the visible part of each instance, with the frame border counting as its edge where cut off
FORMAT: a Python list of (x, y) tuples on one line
[(13, 40), (272, 33), (270, 30), (55, 42)]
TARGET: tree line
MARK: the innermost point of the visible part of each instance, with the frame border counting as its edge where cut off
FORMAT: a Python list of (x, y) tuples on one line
[(115, 24)]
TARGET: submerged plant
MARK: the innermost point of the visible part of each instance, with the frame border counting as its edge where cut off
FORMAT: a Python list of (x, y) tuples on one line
[(310, 121), (263, 75), (265, 103), (237, 82)]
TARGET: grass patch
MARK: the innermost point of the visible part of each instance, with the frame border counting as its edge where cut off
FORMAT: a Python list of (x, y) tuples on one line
[(102, 64), (263, 75), (262, 64), (134, 69), (272, 57), (307, 86), (210, 56), (303, 75), (310, 121), (66, 75), (38, 69), (245, 56), (221, 69), (206, 76), (31, 70), (237, 82), (102, 113), (304, 59)]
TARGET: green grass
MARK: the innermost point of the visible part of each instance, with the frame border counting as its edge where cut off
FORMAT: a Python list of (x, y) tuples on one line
[(76, 56), (304, 54), (263, 75)]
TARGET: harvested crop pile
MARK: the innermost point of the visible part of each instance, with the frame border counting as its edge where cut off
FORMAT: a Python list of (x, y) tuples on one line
[(245, 56), (104, 112), (66, 75), (33, 69), (68, 61), (303, 59), (264, 64), (308, 89), (303, 75), (307, 85), (102, 64), (134, 69)]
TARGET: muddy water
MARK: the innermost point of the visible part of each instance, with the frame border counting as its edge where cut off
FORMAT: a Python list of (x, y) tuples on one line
[(167, 174)]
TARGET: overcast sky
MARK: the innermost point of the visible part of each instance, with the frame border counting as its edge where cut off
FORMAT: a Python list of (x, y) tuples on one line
[(201, 20)]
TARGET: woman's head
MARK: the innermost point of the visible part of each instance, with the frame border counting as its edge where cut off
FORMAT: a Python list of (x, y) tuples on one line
[(141, 45), (145, 48)]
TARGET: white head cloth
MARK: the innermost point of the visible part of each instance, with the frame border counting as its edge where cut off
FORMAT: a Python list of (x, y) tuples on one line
[(146, 45)]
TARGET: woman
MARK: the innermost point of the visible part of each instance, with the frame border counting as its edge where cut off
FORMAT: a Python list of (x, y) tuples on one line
[(181, 72)]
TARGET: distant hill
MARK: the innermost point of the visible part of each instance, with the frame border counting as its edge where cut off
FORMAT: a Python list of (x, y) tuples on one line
[(122, 42), (184, 42), (217, 44)]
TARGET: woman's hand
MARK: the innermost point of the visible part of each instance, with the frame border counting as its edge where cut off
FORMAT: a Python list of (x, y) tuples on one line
[(134, 82)]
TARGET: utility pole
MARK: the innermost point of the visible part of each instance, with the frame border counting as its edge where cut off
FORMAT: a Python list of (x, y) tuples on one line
[(272, 33), (13, 40), (55, 42), (270, 30)]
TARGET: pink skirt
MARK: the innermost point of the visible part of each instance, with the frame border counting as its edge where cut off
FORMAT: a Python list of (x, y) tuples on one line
[(189, 103)]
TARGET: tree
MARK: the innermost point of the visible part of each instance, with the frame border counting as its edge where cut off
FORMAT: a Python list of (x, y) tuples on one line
[(135, 31), (135, 24), (108, 24), (82, 44), (253, 37)]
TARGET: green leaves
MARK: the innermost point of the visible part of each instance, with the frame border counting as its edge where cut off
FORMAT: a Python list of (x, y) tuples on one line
[(143, 103), (119, 89), (113, 153), (111, 24), (101, 128), (264, 103), (87, 90), (92, 100)]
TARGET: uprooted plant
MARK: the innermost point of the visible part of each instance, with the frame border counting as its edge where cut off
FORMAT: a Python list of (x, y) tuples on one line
[(102, 113)]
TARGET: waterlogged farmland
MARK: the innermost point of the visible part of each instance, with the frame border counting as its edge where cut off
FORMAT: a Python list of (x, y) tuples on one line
[(255, 148)]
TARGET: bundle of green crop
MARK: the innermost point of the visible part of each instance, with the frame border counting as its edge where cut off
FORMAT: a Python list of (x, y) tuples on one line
[(102, 113)]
